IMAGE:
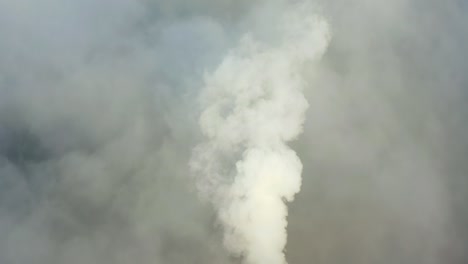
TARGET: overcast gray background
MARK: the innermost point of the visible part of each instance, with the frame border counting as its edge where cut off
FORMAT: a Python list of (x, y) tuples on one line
[(98, 118)]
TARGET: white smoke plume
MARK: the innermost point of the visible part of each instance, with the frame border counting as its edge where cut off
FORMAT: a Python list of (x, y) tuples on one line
[(253, 106)]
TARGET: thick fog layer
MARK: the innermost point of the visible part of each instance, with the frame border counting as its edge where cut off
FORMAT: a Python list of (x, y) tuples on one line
[(105, 105)]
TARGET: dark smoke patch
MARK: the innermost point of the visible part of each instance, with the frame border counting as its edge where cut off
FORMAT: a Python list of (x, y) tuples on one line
[(21, 147)]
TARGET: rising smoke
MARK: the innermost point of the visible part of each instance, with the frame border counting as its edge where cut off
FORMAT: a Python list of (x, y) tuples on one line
[(106, 105), (253, 106)]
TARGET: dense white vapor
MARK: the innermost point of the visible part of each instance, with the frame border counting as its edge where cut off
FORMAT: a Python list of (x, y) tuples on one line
[(252, 106)]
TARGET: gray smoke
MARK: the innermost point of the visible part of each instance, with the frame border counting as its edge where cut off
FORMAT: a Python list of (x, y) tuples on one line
[(99, 117)]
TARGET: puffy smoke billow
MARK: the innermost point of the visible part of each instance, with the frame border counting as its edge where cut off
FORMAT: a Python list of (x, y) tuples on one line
[(102, 104), (253, 106)]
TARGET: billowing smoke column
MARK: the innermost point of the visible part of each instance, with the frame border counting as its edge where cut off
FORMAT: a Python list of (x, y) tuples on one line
[(252, 106)]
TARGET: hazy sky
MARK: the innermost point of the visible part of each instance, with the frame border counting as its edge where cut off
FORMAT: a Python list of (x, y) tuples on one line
[(99, 116)]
